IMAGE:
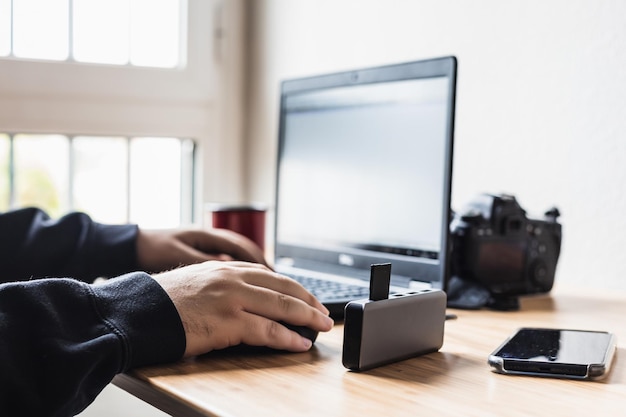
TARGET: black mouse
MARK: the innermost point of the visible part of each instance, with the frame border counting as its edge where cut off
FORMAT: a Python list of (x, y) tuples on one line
[(256, 350), (302, 331)]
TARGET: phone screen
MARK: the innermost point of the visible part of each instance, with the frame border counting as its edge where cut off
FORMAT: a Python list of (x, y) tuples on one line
[(555, 352)]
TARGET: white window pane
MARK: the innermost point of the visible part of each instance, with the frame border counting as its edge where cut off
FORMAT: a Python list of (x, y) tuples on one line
[(101, 31), (187, 180), (100, 178), (155, 33), (5, 27), (42, 172), (41, 29), (155, 182), (4, 172)]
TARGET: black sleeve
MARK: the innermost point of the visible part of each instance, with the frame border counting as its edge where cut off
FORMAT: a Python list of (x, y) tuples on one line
[(62, 341), (34, 246)]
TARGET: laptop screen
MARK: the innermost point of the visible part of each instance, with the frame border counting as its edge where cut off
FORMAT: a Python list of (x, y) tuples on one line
[(364, 169)]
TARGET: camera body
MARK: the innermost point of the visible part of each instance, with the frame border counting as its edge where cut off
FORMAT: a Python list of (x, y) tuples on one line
[(496, 245)]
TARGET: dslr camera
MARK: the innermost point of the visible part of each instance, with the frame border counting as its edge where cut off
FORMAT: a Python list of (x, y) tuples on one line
[(498, 250)]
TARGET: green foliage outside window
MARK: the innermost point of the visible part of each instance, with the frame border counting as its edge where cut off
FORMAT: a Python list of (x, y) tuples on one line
[(113, 179), (34, 185), (37, 190)]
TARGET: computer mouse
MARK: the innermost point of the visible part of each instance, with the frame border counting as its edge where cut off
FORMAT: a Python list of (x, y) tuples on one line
[(256, 350), (302, 331)]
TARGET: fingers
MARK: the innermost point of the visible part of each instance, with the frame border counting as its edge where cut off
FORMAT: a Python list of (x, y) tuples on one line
[(224, 241), (280, 284), (160, 250), (226, 303), (279, 306), (189, 255), (263, 278), (280, 299), (268, 288), (263, 332)]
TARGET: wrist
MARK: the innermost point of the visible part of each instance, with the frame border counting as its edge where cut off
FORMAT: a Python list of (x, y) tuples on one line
[(145, 316)]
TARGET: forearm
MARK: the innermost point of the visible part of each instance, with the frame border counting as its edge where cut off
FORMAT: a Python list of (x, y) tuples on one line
[(62, 341), (34, 246)]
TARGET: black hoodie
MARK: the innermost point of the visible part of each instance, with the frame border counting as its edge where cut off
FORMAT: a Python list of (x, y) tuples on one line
[(62, 339)]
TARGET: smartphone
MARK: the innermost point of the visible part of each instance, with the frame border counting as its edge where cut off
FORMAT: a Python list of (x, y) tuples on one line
[(559, 353)]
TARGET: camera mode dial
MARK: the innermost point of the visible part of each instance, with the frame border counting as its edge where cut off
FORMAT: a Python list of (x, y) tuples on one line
[(539, 274)]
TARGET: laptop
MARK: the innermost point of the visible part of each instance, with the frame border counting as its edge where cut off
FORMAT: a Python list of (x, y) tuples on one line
[(364, 177)]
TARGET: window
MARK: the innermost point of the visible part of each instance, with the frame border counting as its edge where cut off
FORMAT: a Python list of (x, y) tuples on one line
[(118, 32), (144, 180), (114, 91), (40, 170)]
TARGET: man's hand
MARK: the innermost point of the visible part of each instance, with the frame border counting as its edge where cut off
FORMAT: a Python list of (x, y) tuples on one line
[(161, 250), (224, 304)]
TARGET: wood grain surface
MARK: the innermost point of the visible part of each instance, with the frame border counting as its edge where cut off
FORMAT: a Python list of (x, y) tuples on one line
[(456, 381)]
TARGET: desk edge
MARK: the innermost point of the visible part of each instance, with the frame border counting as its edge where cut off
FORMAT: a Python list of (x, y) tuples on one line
[(161, 400)]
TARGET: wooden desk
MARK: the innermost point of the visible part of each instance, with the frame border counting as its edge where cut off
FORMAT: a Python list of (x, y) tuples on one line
[(456, 381)]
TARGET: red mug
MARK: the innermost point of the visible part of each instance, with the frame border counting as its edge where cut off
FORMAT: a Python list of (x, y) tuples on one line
[(245, 219)]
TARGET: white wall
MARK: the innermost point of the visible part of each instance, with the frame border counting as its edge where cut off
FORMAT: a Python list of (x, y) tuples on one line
[(541, 110)]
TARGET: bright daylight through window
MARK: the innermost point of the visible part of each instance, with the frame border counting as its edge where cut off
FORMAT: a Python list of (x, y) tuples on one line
[(114, 178), (118, 32)]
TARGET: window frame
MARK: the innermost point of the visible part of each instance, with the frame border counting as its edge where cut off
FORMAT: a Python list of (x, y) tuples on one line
[(37, 88), (188, 162), (72, 98)]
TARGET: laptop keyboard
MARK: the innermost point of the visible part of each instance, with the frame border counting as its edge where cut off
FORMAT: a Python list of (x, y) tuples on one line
[(325, 290)]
